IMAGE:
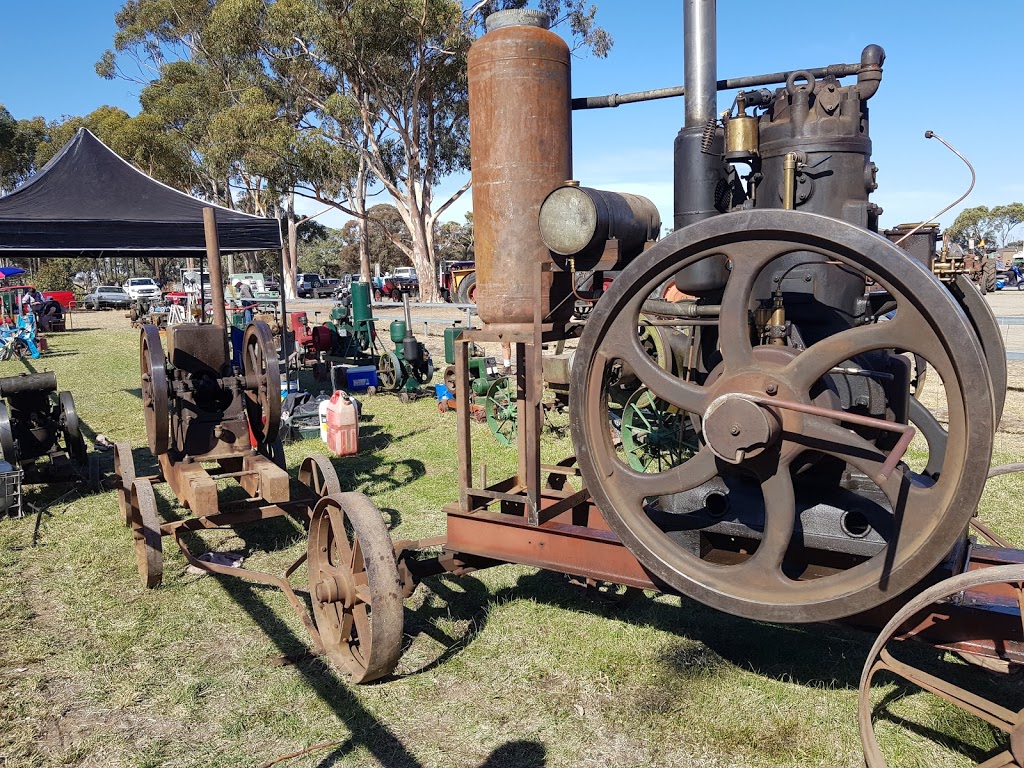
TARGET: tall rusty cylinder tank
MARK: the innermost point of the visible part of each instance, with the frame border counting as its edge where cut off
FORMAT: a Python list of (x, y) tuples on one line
[(520, 123)]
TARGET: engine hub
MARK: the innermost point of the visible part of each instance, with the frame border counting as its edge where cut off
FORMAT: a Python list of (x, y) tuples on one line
[(737, 428)]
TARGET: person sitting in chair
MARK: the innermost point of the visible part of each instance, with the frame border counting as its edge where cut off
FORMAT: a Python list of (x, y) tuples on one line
[(49, 315)]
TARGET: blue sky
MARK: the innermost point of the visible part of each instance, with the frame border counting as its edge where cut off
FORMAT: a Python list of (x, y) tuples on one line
[(951, 67)]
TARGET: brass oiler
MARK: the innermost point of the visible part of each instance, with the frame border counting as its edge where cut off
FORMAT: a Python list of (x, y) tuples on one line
[(741, 139), (742, 143)]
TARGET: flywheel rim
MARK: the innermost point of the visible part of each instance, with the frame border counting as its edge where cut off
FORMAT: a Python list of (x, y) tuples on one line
[(785, 232), (355, 587), (263, 382), (155, 400)]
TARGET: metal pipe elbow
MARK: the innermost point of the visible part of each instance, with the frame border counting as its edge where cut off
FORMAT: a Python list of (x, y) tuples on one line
[(869, 77)]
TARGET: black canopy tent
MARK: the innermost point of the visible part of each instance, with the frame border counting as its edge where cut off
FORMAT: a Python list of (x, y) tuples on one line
[(89, 201)]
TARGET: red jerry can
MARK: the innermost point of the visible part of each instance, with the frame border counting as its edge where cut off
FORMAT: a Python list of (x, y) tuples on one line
[(342, 425)]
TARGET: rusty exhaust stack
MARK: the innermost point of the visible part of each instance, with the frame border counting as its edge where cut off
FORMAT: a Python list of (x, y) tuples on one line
[(699, 147), (213, 264)]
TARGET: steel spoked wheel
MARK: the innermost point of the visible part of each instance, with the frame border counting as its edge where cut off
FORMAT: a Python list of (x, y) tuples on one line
[(73, 439), (155, 403), (318, 474), (262, 382), (124, 469), (389, 372), (149, 552), (773, 431), (354, 583), (881, 660), (425, 370), (7, 442), (500, 408), (655, 435)]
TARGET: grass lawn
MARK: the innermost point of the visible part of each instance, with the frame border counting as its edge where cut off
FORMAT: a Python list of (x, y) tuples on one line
[(511, 667)]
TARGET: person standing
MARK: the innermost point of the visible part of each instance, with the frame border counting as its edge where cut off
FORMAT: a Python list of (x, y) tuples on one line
[(247, 300)]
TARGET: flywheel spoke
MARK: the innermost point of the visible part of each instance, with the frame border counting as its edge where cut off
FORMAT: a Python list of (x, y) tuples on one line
[(696, 471), (821, 434), (734, 322), (779, 518), (623, 343), (817, 360)]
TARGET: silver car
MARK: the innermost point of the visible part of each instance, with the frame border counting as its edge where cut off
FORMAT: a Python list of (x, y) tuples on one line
[(107, 296)]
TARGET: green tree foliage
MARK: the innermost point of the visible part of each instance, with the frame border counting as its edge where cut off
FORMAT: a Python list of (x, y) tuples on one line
[(994, 225), (18, 142), (454, 241), (273, 98), (386, 240), (56, 274), (576, 14), (139, 140), (1004, 219)]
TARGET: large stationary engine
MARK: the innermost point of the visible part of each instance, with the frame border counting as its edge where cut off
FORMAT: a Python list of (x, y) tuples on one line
[(775, 453)]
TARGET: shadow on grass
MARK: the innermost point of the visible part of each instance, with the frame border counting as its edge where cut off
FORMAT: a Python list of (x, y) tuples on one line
[(976, 754), (365, 729), (816, 655)]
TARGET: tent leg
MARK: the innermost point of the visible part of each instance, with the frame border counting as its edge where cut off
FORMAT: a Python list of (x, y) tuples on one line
[(285, 325)]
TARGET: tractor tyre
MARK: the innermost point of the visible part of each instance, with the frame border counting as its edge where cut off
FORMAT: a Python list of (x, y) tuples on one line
[(988, 276), (467, 289)]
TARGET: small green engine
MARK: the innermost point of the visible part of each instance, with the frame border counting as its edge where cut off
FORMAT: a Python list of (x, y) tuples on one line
[(409, 365)]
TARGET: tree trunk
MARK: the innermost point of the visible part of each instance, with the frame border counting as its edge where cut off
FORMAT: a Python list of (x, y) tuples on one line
[(421, 259), (291, 251)]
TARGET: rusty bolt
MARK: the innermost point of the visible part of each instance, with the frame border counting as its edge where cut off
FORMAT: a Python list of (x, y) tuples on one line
[(771, 389)]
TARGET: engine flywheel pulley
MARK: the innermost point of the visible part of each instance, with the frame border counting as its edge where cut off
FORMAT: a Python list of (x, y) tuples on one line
[(777, 446)]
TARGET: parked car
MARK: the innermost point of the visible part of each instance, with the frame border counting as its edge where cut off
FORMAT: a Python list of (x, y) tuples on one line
[(142, 288), (107, 296), (305, 282), (328, 287)]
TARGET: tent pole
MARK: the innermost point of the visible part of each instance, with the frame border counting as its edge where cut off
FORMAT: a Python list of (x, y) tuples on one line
[(285, 325)]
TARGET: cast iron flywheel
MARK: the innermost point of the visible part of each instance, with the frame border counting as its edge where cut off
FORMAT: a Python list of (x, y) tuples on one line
[(765, 417)]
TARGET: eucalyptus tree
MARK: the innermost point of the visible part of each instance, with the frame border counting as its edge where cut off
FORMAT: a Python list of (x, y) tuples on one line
[(202, 77), (400, 99), (984, 223), (19, 140)]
